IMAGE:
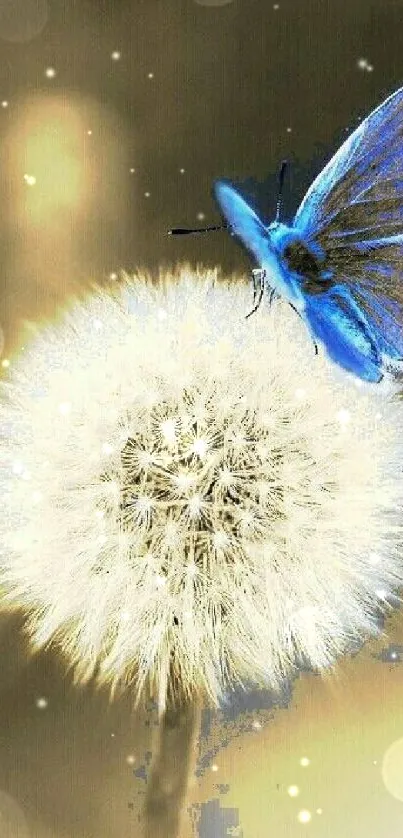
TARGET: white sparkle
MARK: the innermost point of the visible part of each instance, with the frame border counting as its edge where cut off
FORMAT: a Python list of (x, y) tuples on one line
[(113, 276), (304, 816), (18, 468), (147, 194), (4, 103), (300, 393), (50, 72), (276, 7), (289, 130), (319, 811), (160, 581), (304, 761), (214, 767), (293, 791), (97, 324), (115, 55), (42, 703), (132, 171), (226, 478), (363, 64), (30, 180), (150, 75), (125, 616), (200, 447), (64, 408), (89, 132), (200, 216), (184, 480), (393, 656), (182, 171), (161, 314), (256, 725), (5, 363), (131, 759)]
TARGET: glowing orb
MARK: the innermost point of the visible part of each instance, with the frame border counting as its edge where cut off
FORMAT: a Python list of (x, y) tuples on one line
[(392, 769)]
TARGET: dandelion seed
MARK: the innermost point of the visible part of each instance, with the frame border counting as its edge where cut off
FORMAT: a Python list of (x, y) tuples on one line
[(201, 514)]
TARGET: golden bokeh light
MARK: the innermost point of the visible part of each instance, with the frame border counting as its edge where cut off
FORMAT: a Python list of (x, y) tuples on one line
[(48, 149), (67, 198), (392, 769)]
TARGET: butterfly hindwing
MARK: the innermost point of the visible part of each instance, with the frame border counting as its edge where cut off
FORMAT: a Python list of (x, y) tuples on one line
[(336, 321)]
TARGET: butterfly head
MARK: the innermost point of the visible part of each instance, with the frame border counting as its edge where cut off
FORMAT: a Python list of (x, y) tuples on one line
[(276, 232)]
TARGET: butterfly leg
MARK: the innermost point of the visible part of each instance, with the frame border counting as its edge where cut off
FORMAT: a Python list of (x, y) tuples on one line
[(272, 295), (256, 280), (313, 339), (259, 275)]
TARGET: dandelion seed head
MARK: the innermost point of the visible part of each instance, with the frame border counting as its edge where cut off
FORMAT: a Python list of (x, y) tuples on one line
[(195, 514)]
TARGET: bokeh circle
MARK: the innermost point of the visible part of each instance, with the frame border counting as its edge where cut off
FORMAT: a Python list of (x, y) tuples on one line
[(392, 769)]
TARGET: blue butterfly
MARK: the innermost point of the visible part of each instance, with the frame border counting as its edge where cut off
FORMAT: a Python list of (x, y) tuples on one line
[(340, 263)]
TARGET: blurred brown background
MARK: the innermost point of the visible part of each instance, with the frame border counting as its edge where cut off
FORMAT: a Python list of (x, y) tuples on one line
[(115, 117)]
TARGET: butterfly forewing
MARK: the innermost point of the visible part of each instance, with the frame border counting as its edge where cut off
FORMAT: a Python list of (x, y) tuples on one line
[(367, 168), (354, 211), (242, 220)]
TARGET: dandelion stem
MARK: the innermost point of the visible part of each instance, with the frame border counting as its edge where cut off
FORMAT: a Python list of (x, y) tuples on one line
[(171, 769)]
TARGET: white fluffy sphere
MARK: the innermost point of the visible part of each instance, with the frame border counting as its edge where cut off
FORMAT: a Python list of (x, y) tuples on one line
[(190, 498)]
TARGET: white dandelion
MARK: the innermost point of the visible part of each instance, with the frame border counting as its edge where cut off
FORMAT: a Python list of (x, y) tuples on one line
[(192, 500)]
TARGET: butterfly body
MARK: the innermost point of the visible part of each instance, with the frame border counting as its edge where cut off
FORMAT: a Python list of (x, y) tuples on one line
[(340, 263), (301, 276)]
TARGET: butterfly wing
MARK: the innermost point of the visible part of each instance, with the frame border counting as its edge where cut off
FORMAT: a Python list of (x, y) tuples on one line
[(354, 212), (242, 220), (337, 321)]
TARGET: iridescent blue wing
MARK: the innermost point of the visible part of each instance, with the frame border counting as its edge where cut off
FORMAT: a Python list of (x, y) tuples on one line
[(242, 220), (354, 212)]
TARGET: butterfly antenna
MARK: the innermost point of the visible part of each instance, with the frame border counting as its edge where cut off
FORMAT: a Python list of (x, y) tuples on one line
[(183, 231), (280, 187)]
